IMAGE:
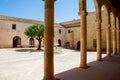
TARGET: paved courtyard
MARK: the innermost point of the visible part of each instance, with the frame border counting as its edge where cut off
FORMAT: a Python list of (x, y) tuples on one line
[(26, 64)]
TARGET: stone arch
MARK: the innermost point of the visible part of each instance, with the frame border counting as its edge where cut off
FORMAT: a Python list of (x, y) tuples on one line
[(31, 42), (97, 4), (105, 8), (16, 41), (113, 19)]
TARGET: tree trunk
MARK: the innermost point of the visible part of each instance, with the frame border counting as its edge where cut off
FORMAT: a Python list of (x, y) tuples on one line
[(39, 45)]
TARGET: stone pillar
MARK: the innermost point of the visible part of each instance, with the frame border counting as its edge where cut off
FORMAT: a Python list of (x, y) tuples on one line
[(49, 40), (83, 34), (118, 42), (114, 35), (99, 34), (108, 36)]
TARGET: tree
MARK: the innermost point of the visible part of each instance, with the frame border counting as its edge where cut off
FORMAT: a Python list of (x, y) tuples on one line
[(36, 31)]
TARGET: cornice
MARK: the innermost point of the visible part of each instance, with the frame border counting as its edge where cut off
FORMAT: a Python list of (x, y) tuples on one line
[(15, 19)]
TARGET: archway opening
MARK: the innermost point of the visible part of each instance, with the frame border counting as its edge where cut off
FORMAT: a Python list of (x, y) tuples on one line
[(16, 42), (31, 42), (59, 42), (78, 45)]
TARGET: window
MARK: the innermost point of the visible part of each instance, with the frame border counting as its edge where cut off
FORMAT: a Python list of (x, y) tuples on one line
[(94, 43), (59, 31), (68, 31), (14, 26)]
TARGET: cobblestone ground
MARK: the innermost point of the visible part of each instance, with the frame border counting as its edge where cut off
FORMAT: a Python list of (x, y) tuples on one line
[(27, 64)]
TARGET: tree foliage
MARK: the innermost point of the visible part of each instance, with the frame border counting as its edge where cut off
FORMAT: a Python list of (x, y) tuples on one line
[(35, 31)]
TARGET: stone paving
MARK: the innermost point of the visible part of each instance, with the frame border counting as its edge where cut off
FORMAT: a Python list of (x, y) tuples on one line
[(16, 64)]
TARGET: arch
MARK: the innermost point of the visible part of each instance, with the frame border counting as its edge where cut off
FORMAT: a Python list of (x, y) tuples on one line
[(97, 4), (105, 11), (16, 41), (105, 8), (59, 42), (113, 19), (78, 45), (31, 42)]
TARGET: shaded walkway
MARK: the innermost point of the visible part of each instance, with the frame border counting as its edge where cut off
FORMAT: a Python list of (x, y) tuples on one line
[(109, 69)]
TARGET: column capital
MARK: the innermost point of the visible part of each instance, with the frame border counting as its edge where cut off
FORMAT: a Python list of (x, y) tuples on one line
[(99, 20), (79, 13), (98, 10), (108, 26), (114, 28), (82, 13), (98, 29), (117, 30)]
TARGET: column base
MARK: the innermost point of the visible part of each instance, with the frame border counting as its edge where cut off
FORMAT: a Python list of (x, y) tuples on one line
[(114, 53), (118, 52), (109, 56), (86, 67), (100, 60), (56, 79)]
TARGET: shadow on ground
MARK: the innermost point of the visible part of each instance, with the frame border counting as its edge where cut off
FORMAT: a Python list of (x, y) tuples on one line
[(109, 69), (56, 51), (29, 50)]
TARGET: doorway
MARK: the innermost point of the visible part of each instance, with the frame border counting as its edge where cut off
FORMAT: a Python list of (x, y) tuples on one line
[(59, 42), (31, 42), (16, 42), (78, 45)]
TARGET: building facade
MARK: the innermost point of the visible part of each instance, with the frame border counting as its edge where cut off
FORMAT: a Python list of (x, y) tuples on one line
[(72, 29), (67, 34), (12, 33)]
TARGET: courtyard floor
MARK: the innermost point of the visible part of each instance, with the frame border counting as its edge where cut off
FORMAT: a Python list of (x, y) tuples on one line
[(27, 64)]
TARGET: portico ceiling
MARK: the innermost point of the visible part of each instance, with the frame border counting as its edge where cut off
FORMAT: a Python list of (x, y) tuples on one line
[(116, 4)]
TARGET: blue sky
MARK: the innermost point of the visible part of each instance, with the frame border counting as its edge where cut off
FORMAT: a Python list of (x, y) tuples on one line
[(65, 10)]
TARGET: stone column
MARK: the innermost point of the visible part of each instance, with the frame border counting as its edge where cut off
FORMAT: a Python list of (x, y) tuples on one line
[(83, 34), (48, 40), (108, 35), (99, 34), (118, 42), (114, 35)]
